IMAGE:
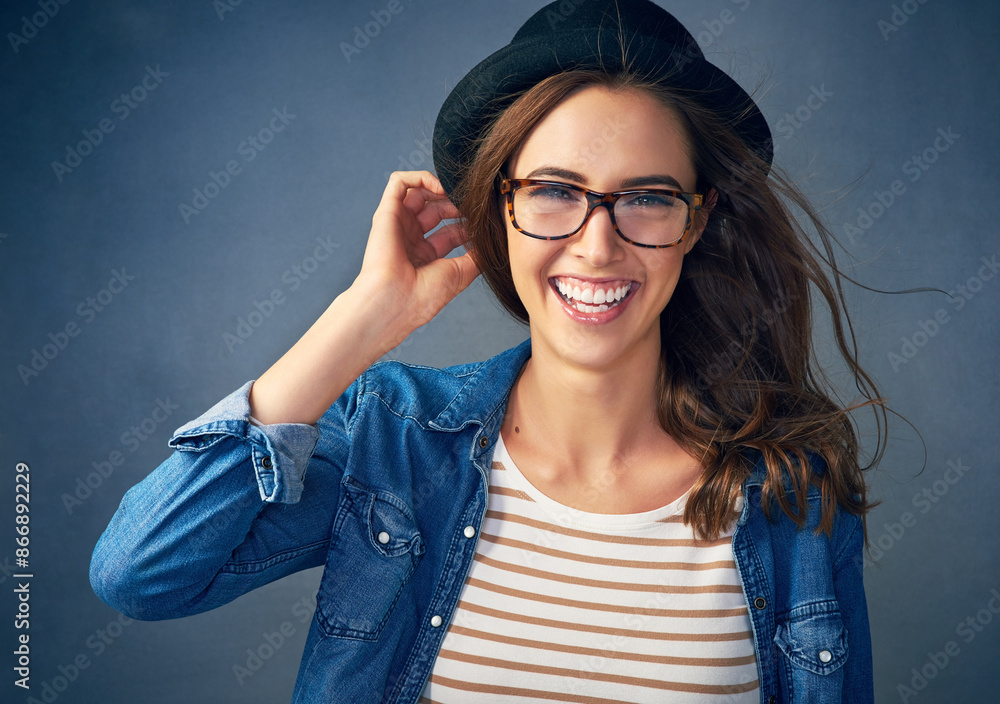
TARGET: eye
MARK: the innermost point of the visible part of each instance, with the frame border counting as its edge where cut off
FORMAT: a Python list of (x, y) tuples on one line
[(650, 201), (551, 192)]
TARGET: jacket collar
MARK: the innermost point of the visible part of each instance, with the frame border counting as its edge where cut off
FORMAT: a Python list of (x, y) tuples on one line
[(483, 396)]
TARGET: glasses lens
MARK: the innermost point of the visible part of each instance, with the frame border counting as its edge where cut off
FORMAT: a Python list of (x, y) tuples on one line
[(549, 210), (651, 218), (644, 217)]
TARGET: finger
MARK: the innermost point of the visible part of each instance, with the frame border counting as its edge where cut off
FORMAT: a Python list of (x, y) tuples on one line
[(417, 196), (434, 211), (418, 199), (446, 278), (417, 212), (448, 238), (467, 271), (400, 182)]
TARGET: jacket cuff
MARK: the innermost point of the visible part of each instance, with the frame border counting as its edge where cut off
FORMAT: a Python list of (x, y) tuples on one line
[(280, 452)]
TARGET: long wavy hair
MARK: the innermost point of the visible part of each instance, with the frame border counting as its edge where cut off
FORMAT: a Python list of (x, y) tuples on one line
[(739, 381)]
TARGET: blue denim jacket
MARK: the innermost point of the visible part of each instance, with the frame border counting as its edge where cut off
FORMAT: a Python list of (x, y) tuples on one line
[(405, 453)]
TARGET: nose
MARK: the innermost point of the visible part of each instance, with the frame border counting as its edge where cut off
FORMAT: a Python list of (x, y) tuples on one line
[(597, 241)]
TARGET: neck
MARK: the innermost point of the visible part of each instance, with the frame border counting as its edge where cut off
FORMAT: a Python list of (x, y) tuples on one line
[(589, 416), (590, 437)]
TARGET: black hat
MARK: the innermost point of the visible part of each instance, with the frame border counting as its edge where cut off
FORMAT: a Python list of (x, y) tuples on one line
[(594, 34)]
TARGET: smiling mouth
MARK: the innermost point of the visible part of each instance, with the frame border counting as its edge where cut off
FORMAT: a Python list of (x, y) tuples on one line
[(592, 298)]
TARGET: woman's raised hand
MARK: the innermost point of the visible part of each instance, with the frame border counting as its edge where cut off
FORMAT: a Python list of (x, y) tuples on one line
[(406, 279), (408, 272)]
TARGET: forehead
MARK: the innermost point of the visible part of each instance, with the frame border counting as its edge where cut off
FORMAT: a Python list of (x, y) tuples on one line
[(608, 136)]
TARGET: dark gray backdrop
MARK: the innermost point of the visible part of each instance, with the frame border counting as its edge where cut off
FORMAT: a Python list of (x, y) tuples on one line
[(124, 317)]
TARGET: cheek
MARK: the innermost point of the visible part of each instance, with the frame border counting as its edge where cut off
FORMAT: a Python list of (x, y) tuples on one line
[(526, 260), (664, 264), (519, 270), (662, 275)]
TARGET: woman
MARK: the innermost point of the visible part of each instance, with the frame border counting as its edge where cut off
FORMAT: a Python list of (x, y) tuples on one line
[(652, 499)]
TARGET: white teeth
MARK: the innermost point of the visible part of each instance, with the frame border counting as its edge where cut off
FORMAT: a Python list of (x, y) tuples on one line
[(589, 300), (593, 296), (584, 308)]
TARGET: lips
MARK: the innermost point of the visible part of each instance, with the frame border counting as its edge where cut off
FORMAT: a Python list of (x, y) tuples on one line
[(590, 296)]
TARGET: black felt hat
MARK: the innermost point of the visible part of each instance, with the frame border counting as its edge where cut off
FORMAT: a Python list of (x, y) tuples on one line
[(609, 35)]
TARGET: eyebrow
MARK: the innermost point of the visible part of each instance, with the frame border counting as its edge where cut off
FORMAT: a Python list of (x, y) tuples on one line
[(652, 180)]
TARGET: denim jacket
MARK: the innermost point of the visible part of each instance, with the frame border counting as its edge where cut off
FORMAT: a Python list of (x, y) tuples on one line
[(391, 505)]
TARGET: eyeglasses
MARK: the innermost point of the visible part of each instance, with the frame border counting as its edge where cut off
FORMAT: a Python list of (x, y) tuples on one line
[(551, 210)]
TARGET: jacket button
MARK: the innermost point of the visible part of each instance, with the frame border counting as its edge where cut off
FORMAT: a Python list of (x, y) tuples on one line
[(469, 531), (484, 442), (825, 656), (760, 602), (266, 462), (383, 537), (436, 621), (772, 699)]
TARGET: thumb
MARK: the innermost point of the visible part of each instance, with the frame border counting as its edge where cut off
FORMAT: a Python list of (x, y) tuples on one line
[(467, 271)]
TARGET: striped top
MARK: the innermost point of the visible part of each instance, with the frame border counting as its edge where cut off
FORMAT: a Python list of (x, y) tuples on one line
[(562, 605)]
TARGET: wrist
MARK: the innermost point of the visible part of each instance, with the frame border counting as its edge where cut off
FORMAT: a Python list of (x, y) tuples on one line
[(375, 317)]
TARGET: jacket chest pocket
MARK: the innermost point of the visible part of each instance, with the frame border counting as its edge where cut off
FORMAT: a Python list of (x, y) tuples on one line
[(814, 643), (374, 548)]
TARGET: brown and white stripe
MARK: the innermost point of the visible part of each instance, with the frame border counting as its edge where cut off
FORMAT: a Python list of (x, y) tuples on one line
[(566, 606)]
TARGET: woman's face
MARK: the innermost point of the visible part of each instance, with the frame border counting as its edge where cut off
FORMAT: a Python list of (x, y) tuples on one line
[(604, 141)]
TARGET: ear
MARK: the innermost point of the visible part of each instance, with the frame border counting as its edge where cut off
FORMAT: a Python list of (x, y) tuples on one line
[(700, 219)]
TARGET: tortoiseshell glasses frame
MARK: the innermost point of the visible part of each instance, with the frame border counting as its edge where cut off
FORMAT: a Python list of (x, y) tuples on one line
[(509, 187)]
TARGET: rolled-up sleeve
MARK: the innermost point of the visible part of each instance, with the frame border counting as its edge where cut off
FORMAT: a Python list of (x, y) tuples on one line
[(281, 451), (235, 506)]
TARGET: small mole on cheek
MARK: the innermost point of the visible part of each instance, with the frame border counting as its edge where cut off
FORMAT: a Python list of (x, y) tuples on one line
[(516, 429)]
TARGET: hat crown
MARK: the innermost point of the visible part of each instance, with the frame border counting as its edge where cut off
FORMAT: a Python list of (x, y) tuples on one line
[(625, 18), (633, 37)]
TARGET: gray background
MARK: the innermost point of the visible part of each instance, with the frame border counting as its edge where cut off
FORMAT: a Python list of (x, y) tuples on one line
[(161, 339)]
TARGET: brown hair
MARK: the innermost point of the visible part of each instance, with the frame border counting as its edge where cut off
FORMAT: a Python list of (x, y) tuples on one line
[(739, 379)]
